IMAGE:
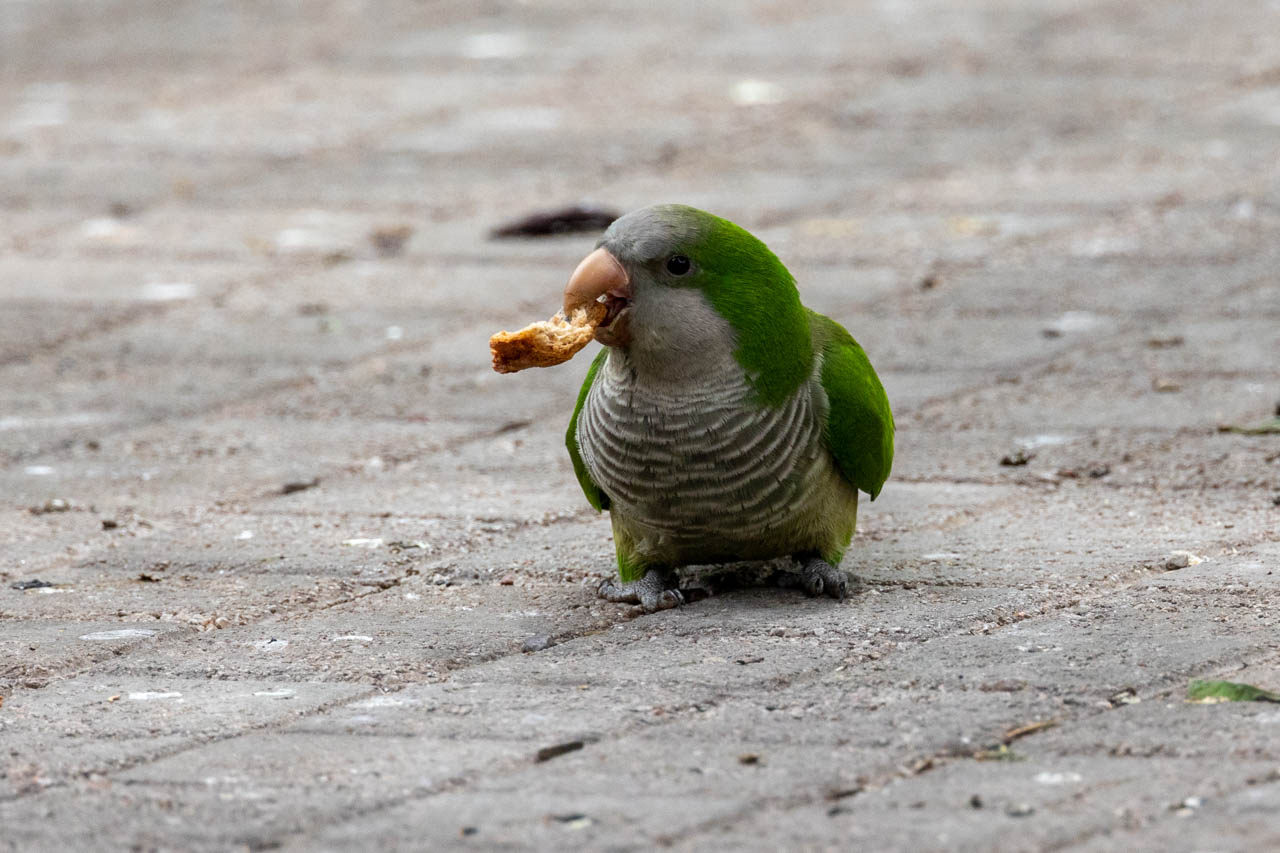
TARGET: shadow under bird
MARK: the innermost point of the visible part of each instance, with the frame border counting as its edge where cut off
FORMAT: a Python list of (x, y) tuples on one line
[(724, 421)]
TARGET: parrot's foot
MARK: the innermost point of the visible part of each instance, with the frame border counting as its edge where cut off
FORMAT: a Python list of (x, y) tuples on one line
[(817, 577), (651, 592)]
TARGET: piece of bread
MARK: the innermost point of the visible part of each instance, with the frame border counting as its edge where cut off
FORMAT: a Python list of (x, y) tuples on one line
[(548, 343)]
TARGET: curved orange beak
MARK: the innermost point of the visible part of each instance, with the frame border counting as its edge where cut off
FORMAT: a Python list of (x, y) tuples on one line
[(600, 274)]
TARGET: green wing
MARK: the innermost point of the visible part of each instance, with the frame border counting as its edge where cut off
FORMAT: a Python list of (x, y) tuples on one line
[(859, 431), (595, 497)]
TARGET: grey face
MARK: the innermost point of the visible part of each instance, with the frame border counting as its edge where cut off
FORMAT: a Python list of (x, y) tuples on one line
[(669, 332)]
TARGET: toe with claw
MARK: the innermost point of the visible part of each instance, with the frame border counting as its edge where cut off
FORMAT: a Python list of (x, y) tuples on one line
[(818, 577), (653, 592)]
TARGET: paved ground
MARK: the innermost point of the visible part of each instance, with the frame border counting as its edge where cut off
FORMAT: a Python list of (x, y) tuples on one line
[(1052, 225)]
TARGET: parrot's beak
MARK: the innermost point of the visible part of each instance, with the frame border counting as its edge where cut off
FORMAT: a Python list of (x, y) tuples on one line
[(602, 276)]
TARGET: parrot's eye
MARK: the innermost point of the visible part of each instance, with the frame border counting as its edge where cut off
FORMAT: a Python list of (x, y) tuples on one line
[(678, 265)]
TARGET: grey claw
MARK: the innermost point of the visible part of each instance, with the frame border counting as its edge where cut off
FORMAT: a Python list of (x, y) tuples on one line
[(667, 599), (611, 590), (818, 577), (650, 592)]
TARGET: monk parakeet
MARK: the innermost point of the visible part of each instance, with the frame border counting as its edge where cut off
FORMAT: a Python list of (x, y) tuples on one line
[(723, 421)]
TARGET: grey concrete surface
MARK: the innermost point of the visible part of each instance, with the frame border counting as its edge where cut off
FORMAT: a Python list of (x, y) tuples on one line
[(1054, 227)]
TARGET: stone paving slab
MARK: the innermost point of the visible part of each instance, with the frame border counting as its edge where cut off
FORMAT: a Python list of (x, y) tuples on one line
[(937, 813), (186, 464), (419, 633), (40, 650), (1243, 819), (93, 726)]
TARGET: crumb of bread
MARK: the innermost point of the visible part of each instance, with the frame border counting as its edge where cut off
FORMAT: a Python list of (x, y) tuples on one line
[(548, 343)]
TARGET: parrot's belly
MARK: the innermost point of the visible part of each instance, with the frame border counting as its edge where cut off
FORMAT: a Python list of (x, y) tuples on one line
[(712, 476)]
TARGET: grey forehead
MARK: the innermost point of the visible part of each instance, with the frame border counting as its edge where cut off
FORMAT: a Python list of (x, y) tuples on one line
[(648, 233)]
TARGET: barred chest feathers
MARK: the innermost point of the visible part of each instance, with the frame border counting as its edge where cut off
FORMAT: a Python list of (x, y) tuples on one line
[(698, 471)]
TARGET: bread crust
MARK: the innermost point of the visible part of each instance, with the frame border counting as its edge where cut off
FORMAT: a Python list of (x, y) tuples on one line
[(547, 343)]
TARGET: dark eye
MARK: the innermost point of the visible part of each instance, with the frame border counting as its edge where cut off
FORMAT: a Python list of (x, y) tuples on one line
[(678, 265)]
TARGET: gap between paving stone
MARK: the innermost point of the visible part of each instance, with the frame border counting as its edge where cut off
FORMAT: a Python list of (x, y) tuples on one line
[(1027, 373), (262, 503), (1046, 485), (174, 633), (127, 317), (516, 524), (178, 749), (261, 392), (265, 391)]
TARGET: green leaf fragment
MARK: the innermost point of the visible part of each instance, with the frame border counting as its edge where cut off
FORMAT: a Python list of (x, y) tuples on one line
[(1268, 427), (1228, 691), (1000, 753)]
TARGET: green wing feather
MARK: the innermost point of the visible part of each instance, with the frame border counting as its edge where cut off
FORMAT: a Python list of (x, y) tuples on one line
[(595, 496), (859, 431)]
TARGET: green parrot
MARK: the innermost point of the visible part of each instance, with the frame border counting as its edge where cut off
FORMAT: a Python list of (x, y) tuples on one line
[(723, 421)]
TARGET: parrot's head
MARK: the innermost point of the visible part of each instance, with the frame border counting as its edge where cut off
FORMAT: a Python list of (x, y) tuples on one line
[(685, 289)]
